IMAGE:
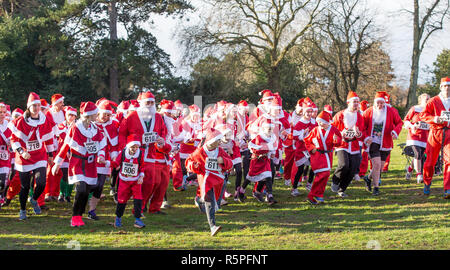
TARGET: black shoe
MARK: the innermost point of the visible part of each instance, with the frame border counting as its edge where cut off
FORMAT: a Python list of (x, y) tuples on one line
[(368, 183), (92, 215), (241, 197), (6, 203), (67, 199), (44, 207), (259, 196), (271, 201), (376, 191), (160, 213), (61, 198)]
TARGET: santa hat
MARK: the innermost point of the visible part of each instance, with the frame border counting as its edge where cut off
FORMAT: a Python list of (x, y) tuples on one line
[(33, 98), (387, 98), (44, 104), (351, 96), (70, 110), (266, 94), (146, 96), (221, 105), (328, 109), (104, 106), (133, 139), (56, 98), (363, 105), (88, 108), (2, 104), (308, 104), (134, 104), (300, 102), (380, 96), (167, 106), (445, 81), (194, 109), (243, 103), (123, 106), (324, 117), (8, 109), (213, 135), (178, 104), (17, 112)]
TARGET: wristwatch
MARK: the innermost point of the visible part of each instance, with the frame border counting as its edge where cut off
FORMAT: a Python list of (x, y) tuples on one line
[(20, 150)]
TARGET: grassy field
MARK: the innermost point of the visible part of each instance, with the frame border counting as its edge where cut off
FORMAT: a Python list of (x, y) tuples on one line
[(400, 218)]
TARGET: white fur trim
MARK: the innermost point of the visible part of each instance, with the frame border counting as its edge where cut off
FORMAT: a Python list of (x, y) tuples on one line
[(58, 100), (259, 177), (27, 168)]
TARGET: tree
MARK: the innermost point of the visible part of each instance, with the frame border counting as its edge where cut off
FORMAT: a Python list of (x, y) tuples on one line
[(260, 28), (424, 25), (441, 69)]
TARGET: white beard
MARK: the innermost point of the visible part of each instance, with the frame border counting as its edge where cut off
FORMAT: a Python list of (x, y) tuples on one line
[(350, 119), (169, 124), (148, 112), (378, 115)]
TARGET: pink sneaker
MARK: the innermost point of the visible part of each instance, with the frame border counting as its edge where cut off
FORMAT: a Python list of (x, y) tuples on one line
[(73, 222), (80, 221), (227, 195)]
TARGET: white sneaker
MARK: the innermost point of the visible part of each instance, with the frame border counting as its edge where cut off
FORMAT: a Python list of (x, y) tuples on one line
[(287, 182), (165, 205), (408, 176), (308, 186), (227, 195), (295, 192), (215, 230), (357, 178), (419, 178), (223, 202)]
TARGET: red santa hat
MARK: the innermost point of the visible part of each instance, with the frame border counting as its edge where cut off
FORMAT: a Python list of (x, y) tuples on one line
[(243, 103), (70, 110), (363, 105), (104, 106), (44, 104), (324, 117), (8, 109), (133, 139), (17, 112), (167, 106), (88, 108), (380, 96), (352, 96), (33, 98), (277, 102), (266, 95), (194, 109), (56, 98), (328, 109), (308, 104), (387, 99), (178, 104), (134, 104), (146, 96), (300, 102), (123, 106), (445, 81), (213, 135)]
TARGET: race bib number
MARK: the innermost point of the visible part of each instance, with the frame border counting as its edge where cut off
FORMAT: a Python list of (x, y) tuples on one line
[(424, 126), (4, 155), (129, 168), (33, 146), (212, 164), (149, 137), (350, 133), (445, 115), (91, 147)]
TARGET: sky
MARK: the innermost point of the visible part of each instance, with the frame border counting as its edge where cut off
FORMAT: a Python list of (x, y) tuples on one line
[(396, 25)]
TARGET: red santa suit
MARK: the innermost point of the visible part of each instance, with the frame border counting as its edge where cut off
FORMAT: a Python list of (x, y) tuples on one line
[(343, 125), (191, 132), (288, 142), (261, 147), (437, 106), (209, 172), (420, 135), (5, 153), (324, 142), (149, 131), (110, 131)]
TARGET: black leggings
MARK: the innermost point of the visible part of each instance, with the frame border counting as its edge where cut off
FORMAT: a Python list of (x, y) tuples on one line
[(238, 169), (114, 178), (81, 197), (298, 175), (210, 207), (98, 188), (268, 182), (40, 176), (2, 183), (120, 209)]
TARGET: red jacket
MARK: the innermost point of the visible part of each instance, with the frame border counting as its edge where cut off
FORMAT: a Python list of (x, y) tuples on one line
[(420, 136), (322, 140), (350, 146), (392, 122)]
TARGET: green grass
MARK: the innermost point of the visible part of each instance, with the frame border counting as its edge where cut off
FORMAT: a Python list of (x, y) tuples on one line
[(400, 218)]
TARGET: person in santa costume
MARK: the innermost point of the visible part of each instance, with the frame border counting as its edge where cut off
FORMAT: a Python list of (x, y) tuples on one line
[(5, 153), (242, 171), (210, 162), (65, 190), (301, 157), (417, 137), (387, 98), (56, 113), (320, 143), (109, 129), (263, 148), (150, 127), (436, 114), (87, 146), (191, 128), (364, 165), (263, 108), (13, 187), (351, 125), (176, 139), (32, 141), (130, 163), (288, 145), (382, 125)]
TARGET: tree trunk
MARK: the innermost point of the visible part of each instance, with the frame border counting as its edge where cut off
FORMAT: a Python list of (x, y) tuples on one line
[(113, 71), (412, 97), (273, 80)]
